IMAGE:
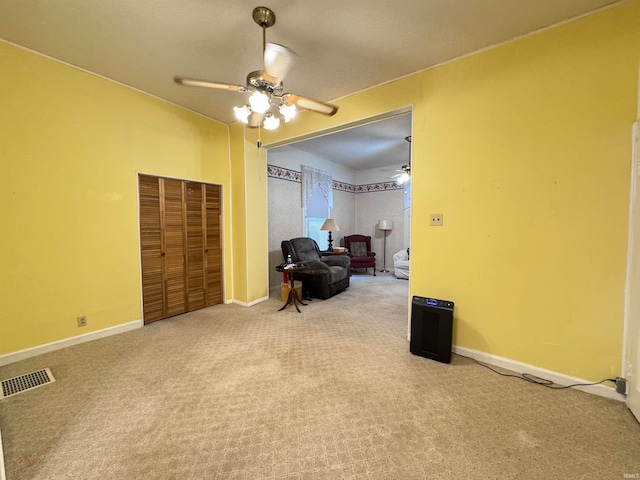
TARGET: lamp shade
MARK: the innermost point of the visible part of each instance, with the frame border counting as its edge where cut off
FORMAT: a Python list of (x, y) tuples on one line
[(330, 224), (385, 224)]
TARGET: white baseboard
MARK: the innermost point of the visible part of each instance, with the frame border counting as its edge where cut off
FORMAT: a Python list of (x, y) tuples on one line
[(555, 377), (68, 342), (250, 304)]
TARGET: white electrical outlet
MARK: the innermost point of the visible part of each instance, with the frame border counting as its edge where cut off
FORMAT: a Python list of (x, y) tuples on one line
[(436, 220)]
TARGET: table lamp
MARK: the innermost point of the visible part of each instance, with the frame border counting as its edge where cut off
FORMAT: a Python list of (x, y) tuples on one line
[(330, 224)]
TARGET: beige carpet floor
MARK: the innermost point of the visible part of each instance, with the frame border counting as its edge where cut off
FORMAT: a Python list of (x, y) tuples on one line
[(231, 392)]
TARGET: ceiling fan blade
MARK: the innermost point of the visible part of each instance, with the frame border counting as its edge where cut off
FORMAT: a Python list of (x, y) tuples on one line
[(255, 120), (309, 104), (278, 60), (194, 82)]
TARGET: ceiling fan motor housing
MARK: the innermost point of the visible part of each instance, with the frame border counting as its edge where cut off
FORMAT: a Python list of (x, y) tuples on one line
[(259, 80)]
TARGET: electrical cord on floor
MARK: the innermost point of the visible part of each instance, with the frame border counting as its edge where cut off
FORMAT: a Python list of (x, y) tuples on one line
[(527, 377)]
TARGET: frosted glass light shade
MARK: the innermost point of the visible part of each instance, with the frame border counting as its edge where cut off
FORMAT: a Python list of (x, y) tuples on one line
[(288, 111), (259, 102), (271, 122), (242, 113)]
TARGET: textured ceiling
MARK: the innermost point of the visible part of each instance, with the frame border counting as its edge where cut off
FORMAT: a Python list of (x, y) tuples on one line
[(342, 46), (374, 145)]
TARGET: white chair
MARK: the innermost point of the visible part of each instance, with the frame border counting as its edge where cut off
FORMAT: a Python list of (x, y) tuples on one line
[(401, 264)]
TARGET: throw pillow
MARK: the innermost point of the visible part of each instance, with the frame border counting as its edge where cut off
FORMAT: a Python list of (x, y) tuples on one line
[(358, 249)]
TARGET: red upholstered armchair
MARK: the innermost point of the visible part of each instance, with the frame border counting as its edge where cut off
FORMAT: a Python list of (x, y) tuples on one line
[(359, 247)]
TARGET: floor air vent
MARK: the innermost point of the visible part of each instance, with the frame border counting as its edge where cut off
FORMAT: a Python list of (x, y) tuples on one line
[(25, 382)]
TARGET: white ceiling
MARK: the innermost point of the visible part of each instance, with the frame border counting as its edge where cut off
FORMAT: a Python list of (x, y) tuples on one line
[(374, 145), (344, 46)]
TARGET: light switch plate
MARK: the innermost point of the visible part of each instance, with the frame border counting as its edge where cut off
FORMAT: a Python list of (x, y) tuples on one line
[(436, 220)]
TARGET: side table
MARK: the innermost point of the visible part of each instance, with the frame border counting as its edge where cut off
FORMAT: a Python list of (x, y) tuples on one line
[(293, 295)]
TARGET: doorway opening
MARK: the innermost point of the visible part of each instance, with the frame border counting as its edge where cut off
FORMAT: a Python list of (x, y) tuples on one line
[(365, 161)]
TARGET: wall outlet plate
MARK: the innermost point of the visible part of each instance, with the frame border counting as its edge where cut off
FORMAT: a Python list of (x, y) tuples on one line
[(621, 385), (82, 321), (436, 220)]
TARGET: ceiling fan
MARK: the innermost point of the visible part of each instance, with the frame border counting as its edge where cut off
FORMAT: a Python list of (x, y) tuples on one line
[(267, 104), (405, 173)]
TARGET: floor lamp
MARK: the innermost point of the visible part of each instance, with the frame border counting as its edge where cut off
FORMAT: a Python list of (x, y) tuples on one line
[(385, 225)]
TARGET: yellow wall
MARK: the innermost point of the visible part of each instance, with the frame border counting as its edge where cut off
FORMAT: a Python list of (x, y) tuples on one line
[(71, 145), (525, 149), (528, 157), (239, 213), (250, 236), (257, 208)]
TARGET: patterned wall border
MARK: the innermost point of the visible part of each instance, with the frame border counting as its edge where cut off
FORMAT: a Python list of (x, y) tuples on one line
[(284, 174), (293, 176)]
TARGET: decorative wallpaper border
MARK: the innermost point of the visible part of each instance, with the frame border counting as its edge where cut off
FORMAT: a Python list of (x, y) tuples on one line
[(293, 176), (283, 173), (373, 187)]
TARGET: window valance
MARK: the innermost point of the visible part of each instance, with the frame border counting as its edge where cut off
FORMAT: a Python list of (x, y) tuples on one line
[(312, 177)]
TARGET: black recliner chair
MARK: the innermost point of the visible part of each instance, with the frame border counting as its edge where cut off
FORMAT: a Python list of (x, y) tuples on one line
[(324, 276)]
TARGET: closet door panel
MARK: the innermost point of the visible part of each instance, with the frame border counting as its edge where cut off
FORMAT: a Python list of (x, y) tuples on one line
[(195, 246), (181, 246), (213, 244), (151, 249), (174, 247)]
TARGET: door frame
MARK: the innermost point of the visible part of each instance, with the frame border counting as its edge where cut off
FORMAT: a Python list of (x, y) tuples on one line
[(631, 334)]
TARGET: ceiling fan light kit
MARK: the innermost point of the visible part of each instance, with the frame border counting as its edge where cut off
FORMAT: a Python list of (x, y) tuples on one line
[(267, 104)]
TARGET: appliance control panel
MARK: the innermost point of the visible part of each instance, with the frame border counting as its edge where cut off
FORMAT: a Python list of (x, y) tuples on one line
[(433, 302)]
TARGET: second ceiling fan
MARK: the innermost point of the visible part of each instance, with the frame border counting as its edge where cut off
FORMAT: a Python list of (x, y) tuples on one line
[(404, 174), (267, 103)]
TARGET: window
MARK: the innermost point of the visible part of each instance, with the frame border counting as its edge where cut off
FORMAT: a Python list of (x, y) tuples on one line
[(317, 201), (315, 213)]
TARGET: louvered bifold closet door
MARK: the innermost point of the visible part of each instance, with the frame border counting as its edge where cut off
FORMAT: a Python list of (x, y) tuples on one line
[(181, 246), (213, 244), (151, 249), (174, 246), (195, 245)]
